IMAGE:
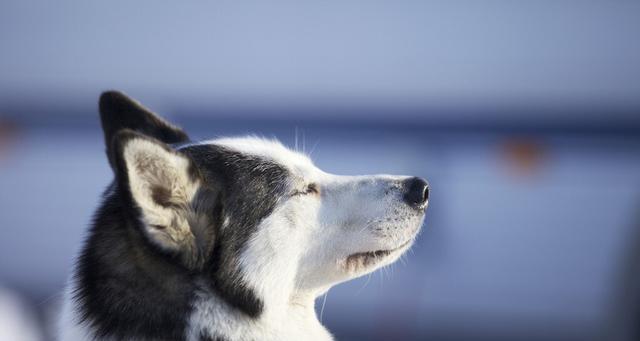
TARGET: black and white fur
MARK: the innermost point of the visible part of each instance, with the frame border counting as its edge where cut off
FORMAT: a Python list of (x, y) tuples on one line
[(229, 239)]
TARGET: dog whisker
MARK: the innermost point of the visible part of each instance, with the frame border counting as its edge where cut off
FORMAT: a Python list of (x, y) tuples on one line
[(324, 301)]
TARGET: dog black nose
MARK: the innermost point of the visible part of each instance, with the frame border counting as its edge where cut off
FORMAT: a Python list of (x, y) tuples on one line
[(416, 192)]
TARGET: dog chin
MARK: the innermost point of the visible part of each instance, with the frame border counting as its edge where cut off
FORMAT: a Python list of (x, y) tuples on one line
[(360, 262)]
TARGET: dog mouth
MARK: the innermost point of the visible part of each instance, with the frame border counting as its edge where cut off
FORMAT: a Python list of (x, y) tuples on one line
[(366, 259)]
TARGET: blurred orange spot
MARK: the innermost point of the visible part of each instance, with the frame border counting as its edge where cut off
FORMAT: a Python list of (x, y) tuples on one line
[(523, 156)]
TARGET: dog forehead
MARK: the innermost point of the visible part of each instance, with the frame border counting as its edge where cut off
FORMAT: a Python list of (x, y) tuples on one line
[(268, 150)]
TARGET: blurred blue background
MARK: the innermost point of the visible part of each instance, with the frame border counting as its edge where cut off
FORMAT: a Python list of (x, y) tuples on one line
[(523, 115)]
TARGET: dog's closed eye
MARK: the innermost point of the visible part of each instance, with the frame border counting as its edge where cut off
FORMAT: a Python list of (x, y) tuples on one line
[(310, 189)]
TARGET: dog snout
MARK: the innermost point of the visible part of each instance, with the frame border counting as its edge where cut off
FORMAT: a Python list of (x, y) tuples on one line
[(416, 192)]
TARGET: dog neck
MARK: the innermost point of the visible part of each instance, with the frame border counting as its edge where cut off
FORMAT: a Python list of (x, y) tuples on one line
[(291, 319)]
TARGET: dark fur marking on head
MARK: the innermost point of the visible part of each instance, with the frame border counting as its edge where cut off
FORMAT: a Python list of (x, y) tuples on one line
[(250, 187)]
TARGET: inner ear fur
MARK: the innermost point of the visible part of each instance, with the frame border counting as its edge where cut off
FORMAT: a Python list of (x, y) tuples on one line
[(161, 184)]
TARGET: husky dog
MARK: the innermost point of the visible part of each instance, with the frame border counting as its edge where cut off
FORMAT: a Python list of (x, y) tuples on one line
[(228, 239)]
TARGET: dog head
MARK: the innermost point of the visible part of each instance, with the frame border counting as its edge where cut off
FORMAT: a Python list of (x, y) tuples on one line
[(254, 219)]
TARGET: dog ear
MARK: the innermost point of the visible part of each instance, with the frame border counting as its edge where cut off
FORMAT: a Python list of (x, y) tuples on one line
[(161, 183), (118, 111)]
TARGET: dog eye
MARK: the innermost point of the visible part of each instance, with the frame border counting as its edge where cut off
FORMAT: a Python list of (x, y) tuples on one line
[(310, 189)]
